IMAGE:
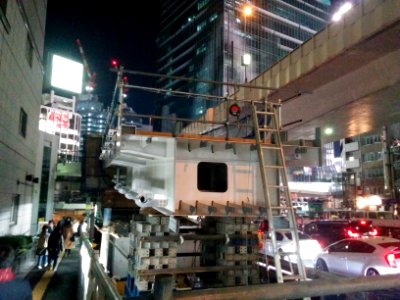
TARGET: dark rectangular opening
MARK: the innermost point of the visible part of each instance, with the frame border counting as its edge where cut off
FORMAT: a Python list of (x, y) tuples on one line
[(212, 177)]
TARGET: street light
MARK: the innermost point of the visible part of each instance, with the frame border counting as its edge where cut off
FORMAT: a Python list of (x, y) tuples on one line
[(247, 11), (343, 9), (246, 58)]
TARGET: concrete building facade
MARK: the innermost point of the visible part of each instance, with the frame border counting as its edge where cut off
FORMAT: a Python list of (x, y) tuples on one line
[(22, 31)]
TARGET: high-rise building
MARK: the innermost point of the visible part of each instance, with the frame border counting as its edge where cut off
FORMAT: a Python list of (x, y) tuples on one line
[(94, 116), (213, 39)]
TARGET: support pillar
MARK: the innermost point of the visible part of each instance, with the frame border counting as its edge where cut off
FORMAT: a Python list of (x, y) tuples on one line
[(163, 287)]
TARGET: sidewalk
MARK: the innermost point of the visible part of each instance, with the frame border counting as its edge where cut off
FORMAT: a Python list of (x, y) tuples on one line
[(63, 283)]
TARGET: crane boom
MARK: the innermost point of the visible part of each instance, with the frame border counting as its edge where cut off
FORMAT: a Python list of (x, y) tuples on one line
[(91, 76)]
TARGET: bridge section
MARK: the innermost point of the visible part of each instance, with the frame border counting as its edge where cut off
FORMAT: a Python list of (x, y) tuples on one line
[(346, 76)]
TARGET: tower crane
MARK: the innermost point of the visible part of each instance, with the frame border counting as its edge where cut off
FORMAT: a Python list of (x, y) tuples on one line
[(91, 84)]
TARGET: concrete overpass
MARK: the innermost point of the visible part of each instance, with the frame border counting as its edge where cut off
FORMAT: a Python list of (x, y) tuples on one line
[(348, 75)]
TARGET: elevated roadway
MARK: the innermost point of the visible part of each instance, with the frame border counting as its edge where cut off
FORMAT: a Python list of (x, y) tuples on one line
[(346, 77)]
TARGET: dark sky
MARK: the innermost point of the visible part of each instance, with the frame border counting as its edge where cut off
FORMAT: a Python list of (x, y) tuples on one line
[(107, 29)]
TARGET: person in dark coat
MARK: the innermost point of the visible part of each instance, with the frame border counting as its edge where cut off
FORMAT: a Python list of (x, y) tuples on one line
[(11, 287), (55, 245)]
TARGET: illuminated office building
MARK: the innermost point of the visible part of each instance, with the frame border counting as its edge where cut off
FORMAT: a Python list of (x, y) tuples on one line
[(94, 117), (208, 40)]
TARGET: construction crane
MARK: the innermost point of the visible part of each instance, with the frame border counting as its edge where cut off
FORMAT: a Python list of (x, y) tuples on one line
[(91, 83)]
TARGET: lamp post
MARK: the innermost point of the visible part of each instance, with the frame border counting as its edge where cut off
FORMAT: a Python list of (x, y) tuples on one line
[(247, 11)]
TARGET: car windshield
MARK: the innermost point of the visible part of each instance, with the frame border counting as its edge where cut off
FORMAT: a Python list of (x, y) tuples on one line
[(302, 236)]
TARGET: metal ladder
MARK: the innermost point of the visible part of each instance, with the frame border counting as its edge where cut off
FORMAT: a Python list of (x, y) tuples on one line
[(269, 115)]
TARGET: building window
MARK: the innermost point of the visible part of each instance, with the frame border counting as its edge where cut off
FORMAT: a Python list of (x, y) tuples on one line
[(201, 25), (3, 12), (3, 6), (29, 50), (14, 210), (23, 122), (212, 177), (201, 4)]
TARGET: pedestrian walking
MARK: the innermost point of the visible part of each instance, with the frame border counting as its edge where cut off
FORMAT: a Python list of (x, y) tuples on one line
[(68, 235), (41, 248), (11, 287), (55, 245), (50, 227)]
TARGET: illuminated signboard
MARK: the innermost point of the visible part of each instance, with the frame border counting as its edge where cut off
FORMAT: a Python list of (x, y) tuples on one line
[(66, 74)]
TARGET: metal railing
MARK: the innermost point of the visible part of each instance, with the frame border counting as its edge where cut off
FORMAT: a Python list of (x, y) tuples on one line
[(97, 284), (331, 285)]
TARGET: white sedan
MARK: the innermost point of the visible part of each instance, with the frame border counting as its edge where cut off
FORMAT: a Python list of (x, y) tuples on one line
[(367, 256), (309, 248)]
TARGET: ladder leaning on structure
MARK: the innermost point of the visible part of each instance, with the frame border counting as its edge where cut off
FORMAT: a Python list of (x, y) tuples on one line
[(275, 162)]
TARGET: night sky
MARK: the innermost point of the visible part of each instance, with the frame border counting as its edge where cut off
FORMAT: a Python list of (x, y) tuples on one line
[(107, 29)]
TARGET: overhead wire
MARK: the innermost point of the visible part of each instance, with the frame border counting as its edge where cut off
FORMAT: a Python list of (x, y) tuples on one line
[(176, 93)]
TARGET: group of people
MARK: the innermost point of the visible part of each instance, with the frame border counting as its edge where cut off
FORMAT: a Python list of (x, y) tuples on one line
[(54, 240), (51, 242)]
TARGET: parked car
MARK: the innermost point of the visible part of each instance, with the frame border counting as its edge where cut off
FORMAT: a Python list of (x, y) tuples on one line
[(364, 256), (330, 231), (309, 248)]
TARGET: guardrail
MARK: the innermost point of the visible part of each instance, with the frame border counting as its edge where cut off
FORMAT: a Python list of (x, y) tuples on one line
[(296, 290), (96, 283)]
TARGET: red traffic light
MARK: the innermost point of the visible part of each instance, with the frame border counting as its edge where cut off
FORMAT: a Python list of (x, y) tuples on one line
[(234, 110), (114, 63)]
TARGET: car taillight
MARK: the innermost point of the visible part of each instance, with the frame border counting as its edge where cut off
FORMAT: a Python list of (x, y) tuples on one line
[(352, 234), (391, 260), (373, 232)]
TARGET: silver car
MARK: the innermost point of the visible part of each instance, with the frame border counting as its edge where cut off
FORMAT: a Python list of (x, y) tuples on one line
[(309, 248), (366, 256)]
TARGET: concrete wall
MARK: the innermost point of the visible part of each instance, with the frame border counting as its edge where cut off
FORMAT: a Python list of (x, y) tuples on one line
[(20, 87)]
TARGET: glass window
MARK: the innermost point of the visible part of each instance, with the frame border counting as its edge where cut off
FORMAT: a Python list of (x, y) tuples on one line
[(279, 236), (361, 247), (302, 236), (43, 113), (311, 228), (212, 177), (201, 4), (23, 122), (14, 210), (3, 13), (340, 247), (3, 6), (72, 122), (29, 50)]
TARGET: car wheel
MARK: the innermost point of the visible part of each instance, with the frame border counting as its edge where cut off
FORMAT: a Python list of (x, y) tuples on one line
[(321, 266), (372, 272)]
